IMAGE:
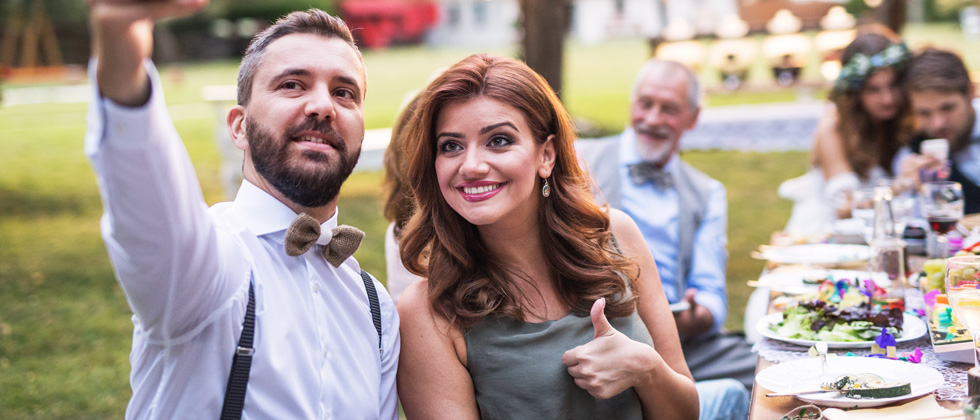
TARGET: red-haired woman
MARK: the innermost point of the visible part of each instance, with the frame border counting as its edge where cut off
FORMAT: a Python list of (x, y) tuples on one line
[(537, 303)]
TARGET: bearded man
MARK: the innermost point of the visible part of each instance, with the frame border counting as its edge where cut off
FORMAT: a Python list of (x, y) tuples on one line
[(942, 96), (253, 306)]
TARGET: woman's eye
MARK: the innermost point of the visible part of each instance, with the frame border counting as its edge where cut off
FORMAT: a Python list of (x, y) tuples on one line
[(449, 146), (497, 141)]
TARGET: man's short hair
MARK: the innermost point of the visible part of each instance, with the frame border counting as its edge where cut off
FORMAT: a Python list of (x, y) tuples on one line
[(937, 70), (693, 85), (312, 21)]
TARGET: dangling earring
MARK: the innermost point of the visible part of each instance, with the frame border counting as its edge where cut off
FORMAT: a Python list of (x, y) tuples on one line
[(546, 189)]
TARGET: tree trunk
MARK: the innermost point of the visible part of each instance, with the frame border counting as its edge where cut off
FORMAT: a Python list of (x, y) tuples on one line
[(545, 23), (891, 13)]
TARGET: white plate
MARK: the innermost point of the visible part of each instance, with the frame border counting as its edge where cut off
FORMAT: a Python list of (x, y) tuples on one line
[(849, 227), (791, 281), (912, 328), (805, 374), (823, 254)]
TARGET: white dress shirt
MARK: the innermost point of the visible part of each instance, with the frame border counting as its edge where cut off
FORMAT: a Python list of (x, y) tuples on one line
[(655, 211), (185, 270)]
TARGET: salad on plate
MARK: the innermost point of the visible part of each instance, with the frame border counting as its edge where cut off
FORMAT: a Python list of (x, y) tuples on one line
[(838, 312)]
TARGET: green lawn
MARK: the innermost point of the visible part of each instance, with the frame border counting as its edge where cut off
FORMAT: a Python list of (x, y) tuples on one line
[(65, 331)]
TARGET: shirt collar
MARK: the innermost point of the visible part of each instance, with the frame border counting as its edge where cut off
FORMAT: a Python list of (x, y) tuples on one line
[(629, 156), (264, 214)]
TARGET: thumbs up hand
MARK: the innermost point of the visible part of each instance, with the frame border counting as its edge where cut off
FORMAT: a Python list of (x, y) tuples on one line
[(611, 362)]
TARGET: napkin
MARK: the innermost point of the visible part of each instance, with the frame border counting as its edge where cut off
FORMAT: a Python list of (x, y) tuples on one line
[(920, 409)]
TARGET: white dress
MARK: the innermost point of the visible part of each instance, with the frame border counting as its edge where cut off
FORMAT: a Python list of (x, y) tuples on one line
[(398, 276), (815, 201)]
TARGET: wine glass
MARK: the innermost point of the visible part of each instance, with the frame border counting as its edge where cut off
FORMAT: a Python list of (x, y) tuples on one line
[(942, 205), (961, 288), (863, 209), (903, 201)]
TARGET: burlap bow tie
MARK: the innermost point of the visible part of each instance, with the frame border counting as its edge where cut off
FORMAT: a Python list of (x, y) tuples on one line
[(339, 244), (644, 172)]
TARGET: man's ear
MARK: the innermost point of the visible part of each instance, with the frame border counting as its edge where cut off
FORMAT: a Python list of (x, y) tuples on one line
[(236, 126), (694, 119), (547, 157)]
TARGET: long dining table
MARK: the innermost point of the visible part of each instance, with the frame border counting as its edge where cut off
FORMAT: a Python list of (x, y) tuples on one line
[(948, 396)]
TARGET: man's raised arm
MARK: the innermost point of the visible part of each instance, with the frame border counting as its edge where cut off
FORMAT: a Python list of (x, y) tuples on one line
[(122, 36)]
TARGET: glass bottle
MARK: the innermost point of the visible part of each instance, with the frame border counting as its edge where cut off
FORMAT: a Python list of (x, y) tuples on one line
[(887, 257)]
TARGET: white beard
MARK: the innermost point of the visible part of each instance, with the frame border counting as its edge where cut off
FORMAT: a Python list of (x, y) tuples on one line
[(656, 153)]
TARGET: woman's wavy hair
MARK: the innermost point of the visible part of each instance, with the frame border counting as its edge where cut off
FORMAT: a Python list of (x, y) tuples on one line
[(399, 204), (868, 142), (464, 285)]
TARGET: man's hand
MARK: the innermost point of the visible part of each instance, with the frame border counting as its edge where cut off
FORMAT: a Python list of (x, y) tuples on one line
[(122, 37), (695, 320), (914, 164), (611, 362)]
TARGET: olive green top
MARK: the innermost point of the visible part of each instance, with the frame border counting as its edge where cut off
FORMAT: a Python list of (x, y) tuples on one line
[(517, 371)]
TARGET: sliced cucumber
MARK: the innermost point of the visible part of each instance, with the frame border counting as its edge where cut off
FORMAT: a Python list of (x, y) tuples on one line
[(886, 391)]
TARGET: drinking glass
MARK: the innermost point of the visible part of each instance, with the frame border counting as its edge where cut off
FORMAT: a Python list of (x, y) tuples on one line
[(942, 206), (961, 288), (903, 202), (863, 209)]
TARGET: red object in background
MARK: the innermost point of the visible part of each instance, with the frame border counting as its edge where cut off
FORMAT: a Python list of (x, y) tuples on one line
[(380, 23)]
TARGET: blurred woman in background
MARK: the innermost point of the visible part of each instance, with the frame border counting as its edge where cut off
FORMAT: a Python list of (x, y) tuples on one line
[(399, 205), (860, 136)]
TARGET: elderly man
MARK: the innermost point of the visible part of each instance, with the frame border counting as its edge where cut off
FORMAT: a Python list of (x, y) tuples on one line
[(941, 95), (682, 213), (253, 308)]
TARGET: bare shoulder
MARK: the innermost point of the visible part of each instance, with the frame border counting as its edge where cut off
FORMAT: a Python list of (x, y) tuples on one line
[(827, 124), (626, 231), (414, 301), (417, 315)]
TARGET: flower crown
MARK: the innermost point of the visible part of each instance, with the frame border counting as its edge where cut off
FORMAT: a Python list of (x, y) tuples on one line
[(857, 69)]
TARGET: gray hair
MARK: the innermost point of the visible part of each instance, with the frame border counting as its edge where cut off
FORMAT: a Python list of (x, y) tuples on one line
[(312, 21), (655, 64)]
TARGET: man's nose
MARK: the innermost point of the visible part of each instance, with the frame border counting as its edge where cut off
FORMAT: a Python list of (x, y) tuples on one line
[(937, 122), (319, 103), (653, 116)]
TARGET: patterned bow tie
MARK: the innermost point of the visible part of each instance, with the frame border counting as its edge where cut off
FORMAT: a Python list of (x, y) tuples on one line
[(644, 172), (339, 243)]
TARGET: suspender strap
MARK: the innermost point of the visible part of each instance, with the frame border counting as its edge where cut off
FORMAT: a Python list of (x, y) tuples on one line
[(234, 402), (240, 365), (373, 300)]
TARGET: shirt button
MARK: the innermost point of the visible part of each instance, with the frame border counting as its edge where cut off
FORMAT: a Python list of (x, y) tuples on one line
[(326, 353), (316, 287), (326, 416)]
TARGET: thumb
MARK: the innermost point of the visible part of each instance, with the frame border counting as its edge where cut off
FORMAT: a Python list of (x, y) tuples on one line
[(689, 296), (599, 321)]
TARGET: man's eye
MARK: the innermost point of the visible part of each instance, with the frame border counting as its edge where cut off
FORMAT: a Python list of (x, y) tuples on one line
[(345, 93), (290, 85)]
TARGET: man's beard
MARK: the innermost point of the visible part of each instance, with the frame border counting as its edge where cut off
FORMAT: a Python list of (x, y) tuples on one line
[(308, 188), (658, 152), (962, 140)]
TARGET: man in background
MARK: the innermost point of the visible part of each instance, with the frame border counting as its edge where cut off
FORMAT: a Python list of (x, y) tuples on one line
[(941, 95), (683, 216)]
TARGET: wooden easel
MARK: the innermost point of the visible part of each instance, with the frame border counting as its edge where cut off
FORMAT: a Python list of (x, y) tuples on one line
[(34, 33)]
